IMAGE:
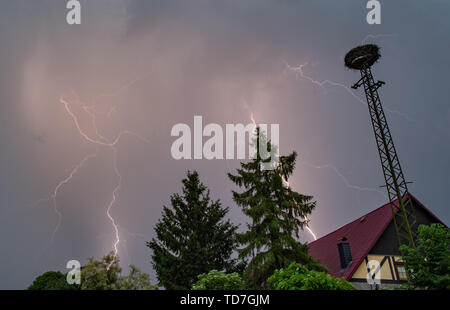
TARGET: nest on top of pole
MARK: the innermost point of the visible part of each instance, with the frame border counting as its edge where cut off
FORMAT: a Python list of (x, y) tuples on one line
[(363, 56)]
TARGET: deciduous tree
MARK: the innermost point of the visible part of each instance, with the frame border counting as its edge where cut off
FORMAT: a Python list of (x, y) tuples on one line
[(106, 274), (52, 280), (428, 264)]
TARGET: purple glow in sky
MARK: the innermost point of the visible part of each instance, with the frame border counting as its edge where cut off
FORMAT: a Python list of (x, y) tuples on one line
[(134, 68)]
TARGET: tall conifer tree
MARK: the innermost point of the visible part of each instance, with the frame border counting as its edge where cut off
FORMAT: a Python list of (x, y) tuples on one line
[(192, 237), (277, 215)]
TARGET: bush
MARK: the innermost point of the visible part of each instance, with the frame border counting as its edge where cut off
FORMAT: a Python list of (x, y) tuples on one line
[(219, 280), (298, 277), (428, 264)]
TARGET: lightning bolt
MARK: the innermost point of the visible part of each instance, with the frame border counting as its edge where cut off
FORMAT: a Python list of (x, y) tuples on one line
[(111, 204), (61, 184), (344, 179), (102, 141), (288, 186), (124, 231), (300, 74), (99, 140)]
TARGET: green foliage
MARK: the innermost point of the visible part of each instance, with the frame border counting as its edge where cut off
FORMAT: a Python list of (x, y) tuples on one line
[(192, 237), (136, 280), (52, 280), (219, 280), (105, 274), (429, 263), (277, 215), (298, 277)]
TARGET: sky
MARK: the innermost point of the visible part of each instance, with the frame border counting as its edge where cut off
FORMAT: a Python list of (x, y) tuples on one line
[(142, 66)]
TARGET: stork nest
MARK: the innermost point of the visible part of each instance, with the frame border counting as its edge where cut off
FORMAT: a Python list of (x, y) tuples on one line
[(362, 56)]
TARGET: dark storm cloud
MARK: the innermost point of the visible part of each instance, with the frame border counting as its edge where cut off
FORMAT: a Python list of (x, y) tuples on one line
[(203, 58)]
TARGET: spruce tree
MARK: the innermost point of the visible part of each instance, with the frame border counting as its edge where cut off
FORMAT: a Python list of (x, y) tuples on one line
[(277, 215), (192, 237)]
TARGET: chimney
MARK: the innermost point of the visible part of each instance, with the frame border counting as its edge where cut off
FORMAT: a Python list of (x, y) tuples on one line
[(344, 253)]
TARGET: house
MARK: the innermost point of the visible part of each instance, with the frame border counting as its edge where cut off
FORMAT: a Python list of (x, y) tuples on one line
[(369, 241)]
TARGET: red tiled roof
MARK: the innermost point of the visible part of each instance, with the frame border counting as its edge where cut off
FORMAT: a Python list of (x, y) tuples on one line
[(361, 234)]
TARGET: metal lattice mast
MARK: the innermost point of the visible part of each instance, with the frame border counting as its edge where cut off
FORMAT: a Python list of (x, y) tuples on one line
[(362, 58)]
